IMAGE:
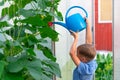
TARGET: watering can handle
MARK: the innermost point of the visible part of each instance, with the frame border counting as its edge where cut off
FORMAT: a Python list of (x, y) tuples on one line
[(76, 7)]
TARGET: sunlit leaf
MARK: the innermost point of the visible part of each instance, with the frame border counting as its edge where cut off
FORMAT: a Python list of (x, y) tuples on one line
[(35, 21), (41, 4), (26, 13), (11, 11), (48, 32), (57, 16), (22, 3), (3, 24)]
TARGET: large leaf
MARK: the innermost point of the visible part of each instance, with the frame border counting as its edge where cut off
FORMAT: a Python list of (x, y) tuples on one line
[(2, 2), (11, 11), (1, 56), (16, 31), (17, 66), (30, 63), (48, 32), (32, 40), (3, 24), (12, 48), (2, 64), (41, 4), (31, 51), (35, 21), (1, 44), (45, 77), (27, 13), (58, 15), (52, 67), (47, 52), (34, 68), (12, 76), (22, 3)]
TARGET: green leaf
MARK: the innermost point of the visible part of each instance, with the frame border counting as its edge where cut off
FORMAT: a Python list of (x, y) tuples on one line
[(3, 24), (26, 13), (1, 44), (11, 11), (58, 15), (32, 29), (22, 3), (34, 67), (56, 1), (2, 65), (15, 67), (11, 59), (32, 40), (18, 65), (48, 32), (53, 67), (35, 21), (46, 77), (1, 56), (2, 3), (11, 48), (16, 31), (41, 4), (12, 76), (47, 52), (31, 51)]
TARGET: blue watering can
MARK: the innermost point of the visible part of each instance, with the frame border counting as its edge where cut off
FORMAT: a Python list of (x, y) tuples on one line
[(74, 22)]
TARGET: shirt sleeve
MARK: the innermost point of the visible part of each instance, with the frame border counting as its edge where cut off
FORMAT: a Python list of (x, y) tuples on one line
[(84, 68)]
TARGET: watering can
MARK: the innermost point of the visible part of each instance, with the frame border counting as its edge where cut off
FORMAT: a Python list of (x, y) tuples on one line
[(74, 22)]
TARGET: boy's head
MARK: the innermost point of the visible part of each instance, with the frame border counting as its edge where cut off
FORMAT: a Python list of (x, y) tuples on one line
[(86, 52)]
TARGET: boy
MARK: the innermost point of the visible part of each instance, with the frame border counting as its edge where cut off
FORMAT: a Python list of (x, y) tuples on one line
[(83, 56)]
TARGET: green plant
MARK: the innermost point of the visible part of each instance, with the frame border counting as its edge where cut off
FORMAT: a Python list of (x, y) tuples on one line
[(105, 67), (24, 26)]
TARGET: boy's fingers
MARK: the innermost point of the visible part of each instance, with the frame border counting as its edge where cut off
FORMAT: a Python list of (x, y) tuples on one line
[(71, 32)]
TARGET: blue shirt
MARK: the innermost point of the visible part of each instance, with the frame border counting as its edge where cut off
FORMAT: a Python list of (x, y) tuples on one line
[(85, 71)]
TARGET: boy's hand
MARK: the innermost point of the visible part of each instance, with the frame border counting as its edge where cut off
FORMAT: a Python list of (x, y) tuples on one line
[(74, 34), (87, 21)]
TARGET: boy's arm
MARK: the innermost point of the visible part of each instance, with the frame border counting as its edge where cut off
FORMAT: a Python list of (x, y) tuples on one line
[(73, 49), (88, 33)]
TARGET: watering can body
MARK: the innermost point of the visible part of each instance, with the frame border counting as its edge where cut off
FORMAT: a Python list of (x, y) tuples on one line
[(74, 22)]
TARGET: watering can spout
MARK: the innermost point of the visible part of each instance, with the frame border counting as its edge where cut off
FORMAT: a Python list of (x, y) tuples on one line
[(60, 23)]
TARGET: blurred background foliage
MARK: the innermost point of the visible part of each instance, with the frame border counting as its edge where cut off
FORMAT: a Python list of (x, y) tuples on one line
[(105, 67)]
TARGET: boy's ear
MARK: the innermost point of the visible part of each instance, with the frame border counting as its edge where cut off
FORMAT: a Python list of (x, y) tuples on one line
[(84, 59)]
